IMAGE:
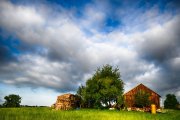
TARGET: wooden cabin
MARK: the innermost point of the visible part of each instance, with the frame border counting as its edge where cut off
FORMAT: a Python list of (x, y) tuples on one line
[(66, 102), (129, 96)]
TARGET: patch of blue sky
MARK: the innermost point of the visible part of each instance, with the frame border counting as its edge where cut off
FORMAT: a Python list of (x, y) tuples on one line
[(11, 43), (146, 4), (77, 6), (134, 17), (87, 32), (162, 5), (28, 2), (71, 3), (111, 24)]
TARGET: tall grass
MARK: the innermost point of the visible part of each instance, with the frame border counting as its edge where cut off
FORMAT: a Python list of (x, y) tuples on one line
[(83, 114)]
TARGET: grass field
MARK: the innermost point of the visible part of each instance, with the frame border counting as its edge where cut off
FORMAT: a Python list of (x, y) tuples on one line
[(83, 114)]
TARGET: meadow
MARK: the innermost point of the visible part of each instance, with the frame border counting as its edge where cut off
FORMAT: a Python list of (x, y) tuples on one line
[(82, 114)]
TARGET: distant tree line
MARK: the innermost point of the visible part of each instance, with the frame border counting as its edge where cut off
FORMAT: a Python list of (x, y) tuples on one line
[(14, 100)]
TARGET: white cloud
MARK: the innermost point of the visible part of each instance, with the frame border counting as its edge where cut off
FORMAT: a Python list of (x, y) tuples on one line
[(175, 63), (19, 16)]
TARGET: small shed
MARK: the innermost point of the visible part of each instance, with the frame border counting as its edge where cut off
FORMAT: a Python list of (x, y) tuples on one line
[(66, 102), (129, 96)]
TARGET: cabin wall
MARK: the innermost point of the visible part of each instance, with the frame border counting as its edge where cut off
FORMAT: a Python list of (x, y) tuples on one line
[(129, 97)]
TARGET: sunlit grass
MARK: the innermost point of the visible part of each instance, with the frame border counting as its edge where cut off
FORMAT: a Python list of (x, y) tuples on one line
[(82, 114)]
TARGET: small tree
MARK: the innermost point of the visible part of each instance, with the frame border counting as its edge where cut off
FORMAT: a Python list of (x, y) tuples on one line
[(171, 101), (12, 101), (142, 99), (120, 102)]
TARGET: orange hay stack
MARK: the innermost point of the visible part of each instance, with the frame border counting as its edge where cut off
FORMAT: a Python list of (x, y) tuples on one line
[(66, 102)]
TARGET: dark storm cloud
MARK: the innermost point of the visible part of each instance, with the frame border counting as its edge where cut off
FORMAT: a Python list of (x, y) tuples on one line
[(35, 71), (161, 47)]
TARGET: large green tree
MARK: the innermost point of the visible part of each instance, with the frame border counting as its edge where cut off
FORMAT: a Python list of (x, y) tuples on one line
[(171, 101), (12, 101), (142, 99), (103, 88)]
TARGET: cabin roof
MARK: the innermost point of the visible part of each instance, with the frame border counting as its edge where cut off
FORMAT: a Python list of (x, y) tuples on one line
[(143, 86)]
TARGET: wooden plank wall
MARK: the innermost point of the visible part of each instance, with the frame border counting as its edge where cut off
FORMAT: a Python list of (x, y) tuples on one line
[(129, 96)]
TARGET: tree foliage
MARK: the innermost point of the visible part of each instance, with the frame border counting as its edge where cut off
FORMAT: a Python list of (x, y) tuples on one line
[(142, 99), (12, 101), (81, 93), (103, 88), (171, 101)]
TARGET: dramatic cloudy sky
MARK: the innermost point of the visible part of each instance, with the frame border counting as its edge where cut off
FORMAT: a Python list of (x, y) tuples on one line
[(51, 47)]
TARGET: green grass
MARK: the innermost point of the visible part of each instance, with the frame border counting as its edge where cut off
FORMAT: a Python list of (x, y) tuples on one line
[(83, 114)]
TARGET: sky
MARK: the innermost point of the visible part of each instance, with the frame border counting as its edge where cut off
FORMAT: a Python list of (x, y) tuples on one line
[(51, 47)]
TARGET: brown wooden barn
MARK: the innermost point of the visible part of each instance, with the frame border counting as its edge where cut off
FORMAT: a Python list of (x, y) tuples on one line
[(129, 96), (66, 102)]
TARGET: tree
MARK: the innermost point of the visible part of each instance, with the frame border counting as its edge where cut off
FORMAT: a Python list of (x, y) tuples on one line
[(12, 101), (81, 93), (171, 101), (104, 88), (142, 99)]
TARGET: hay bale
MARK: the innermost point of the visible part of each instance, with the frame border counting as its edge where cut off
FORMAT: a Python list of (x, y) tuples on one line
[(66, 102)]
